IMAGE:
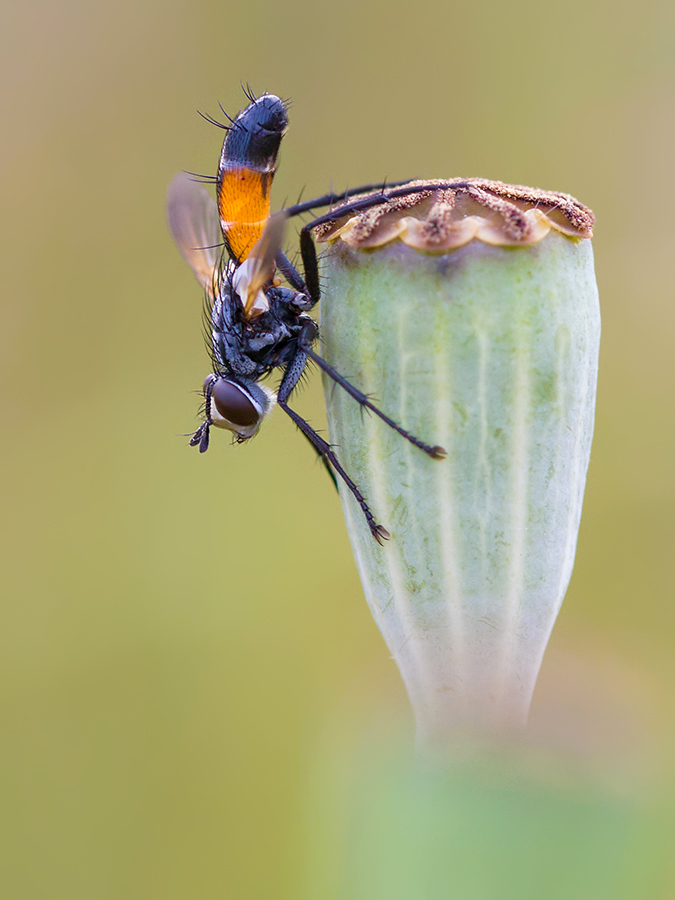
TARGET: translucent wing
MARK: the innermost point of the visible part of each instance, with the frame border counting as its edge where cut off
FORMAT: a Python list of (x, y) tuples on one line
[(194, 223), (259, 268)]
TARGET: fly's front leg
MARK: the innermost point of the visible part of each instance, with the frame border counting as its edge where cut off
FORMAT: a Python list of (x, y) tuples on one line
[(291, 377), (296, 366), (323, 449)]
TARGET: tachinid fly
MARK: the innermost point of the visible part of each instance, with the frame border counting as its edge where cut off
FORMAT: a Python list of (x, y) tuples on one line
[(256, 324)]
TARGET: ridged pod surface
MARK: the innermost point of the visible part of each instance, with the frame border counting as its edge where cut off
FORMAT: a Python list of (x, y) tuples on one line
[(490, 351)]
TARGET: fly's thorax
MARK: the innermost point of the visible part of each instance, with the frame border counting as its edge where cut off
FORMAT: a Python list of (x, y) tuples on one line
[(237, 405), (288, 305)]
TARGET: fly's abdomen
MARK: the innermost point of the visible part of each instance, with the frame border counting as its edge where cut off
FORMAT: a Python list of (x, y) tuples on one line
[(246, 170), (244, 206)]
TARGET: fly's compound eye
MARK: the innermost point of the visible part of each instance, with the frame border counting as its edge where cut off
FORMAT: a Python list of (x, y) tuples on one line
[(233, 408), (234, 404), (240, 408)]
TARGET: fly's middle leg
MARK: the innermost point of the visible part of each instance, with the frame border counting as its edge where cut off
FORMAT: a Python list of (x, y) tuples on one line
[(365, 402)]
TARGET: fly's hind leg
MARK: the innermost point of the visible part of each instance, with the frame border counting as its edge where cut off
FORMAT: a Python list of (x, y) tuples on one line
[(376, 194), (310, 284)]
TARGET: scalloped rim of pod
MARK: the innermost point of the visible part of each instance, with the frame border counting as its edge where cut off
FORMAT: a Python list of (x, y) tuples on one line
[(443, 215)]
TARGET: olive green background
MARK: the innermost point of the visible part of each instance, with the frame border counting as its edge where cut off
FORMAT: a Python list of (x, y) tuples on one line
[(188, 664)]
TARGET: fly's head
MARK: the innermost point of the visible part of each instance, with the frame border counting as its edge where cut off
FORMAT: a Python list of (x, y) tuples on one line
[(236, 405)]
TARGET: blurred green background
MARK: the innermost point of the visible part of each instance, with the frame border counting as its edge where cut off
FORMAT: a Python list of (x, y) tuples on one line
[(187, 660)]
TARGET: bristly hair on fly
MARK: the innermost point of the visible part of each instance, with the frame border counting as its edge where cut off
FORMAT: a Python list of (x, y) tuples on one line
[(251, 96), (234, 123)]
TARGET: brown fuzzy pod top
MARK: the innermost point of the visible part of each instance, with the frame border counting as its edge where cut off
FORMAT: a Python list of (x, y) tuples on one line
[(443, 215)]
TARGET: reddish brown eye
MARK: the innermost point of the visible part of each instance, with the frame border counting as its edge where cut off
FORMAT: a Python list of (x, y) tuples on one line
[(233, 404)]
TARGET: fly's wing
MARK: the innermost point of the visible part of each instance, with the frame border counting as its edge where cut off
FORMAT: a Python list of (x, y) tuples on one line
[(261, 265), (194, 223)]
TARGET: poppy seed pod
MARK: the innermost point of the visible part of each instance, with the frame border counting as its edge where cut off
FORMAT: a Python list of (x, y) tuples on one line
[(470, 315)]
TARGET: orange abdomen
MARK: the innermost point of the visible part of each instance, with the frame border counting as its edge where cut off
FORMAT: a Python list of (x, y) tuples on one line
[(244, 206)]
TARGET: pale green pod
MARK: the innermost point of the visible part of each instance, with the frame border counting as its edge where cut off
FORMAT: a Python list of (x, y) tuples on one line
[(492, 352)]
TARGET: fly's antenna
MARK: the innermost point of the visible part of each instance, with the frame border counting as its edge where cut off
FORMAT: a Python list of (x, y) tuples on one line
[(202, 434)]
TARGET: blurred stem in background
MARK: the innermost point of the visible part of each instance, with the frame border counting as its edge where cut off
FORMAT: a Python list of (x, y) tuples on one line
[(487, 346), (499, 821)]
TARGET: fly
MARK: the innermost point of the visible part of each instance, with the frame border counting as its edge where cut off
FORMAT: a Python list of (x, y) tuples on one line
[(255, 324)]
